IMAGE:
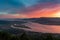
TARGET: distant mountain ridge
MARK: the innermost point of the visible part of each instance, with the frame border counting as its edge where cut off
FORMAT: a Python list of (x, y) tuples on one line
[(41, 20), (49, 20)]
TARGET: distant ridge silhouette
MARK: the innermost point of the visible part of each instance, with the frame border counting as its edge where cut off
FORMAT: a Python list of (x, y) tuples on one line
[(49, 17), (49, 20)]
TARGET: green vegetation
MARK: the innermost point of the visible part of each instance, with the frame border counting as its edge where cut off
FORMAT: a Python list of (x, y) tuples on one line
[(24, 36)]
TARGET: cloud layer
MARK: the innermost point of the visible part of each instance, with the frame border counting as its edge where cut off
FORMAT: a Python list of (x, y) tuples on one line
[(25, 7)]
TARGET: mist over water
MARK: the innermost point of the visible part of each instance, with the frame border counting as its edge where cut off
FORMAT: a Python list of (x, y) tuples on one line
[(36, 27)]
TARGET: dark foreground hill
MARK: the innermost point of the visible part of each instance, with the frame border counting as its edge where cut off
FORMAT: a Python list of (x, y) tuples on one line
[(29, 36)]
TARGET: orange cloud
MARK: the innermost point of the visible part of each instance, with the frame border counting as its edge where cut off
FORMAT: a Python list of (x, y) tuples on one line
[(46, 12)]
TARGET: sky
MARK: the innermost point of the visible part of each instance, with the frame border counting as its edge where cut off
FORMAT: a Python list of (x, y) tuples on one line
[(29, 8)]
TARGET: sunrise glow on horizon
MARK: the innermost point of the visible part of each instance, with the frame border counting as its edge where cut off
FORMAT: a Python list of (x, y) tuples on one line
[(57, 14)]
